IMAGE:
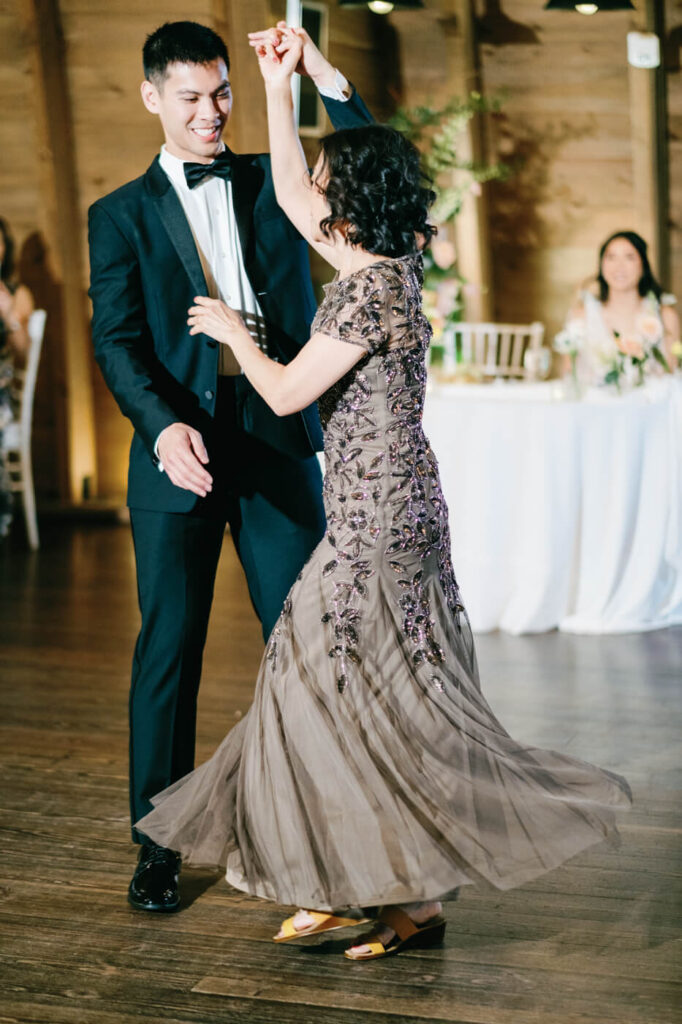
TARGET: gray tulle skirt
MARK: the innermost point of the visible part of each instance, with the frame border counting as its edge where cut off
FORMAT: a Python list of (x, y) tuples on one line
[(402, 787)]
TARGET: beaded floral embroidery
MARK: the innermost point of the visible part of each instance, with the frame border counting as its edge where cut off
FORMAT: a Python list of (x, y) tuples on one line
[(381, 486)]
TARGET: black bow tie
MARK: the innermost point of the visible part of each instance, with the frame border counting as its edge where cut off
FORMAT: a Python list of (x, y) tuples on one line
[(220, 168)]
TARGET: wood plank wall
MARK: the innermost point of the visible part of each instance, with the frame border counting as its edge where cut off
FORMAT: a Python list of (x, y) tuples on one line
[(566, 117), (567, 122), (569, 116)]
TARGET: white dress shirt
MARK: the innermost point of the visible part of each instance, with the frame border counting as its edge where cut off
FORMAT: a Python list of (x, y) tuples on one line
[(210, 214), (209, 209)]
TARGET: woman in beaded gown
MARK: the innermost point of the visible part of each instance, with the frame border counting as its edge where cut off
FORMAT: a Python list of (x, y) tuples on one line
[(370, 771)]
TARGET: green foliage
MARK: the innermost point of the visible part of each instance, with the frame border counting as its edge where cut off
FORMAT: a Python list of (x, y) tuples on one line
[(437, 132)]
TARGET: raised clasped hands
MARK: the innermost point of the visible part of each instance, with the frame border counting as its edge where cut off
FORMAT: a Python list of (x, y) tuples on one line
[(216, 319), (279, 54), (276, 48)]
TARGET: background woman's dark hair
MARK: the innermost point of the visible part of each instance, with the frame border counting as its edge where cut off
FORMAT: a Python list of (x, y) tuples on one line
[(647, 282), (7, 266), (377, 189), (180, 42)]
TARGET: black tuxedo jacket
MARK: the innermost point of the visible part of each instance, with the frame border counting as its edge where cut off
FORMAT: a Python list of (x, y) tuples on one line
[(144, 274)]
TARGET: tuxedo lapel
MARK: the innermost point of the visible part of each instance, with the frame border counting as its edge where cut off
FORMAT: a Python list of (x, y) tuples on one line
[(247, 181), (175, 222)]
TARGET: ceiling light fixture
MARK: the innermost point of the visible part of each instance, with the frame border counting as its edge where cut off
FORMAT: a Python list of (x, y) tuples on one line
[(589, 8), (383, 6)]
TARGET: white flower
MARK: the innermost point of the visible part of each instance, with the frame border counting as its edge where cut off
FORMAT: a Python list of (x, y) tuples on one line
[(630, 375), (563, 343), (571, 339), (447, 297)]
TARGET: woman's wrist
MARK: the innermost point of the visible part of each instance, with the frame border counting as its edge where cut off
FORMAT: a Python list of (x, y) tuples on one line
[(241, 340), (279, 90)]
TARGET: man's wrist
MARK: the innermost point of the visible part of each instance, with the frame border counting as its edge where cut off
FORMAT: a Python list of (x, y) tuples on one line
[(338, 89), (326, 78)]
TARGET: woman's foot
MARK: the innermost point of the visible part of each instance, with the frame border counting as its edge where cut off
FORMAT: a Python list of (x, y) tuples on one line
[(312, 922), (420, 913), (300, 922)]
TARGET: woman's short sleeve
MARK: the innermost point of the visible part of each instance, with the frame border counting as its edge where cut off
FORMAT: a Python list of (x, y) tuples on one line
[(356, 310)]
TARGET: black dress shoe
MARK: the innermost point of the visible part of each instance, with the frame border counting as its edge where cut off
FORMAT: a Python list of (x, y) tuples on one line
[(154, 885)]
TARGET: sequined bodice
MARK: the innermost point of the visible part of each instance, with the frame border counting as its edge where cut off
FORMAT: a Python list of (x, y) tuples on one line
[(372, 417), (386, 516)]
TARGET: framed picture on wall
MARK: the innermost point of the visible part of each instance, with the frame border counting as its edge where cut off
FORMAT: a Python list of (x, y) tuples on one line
[(311, 112)]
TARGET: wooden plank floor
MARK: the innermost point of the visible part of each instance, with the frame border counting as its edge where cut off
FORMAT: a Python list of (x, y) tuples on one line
[(595, 942)]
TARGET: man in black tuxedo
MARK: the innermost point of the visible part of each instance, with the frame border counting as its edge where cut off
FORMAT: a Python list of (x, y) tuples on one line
[(206, 450)]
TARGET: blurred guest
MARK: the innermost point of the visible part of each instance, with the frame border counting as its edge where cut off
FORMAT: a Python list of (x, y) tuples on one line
[(16, 306), (623, 318)]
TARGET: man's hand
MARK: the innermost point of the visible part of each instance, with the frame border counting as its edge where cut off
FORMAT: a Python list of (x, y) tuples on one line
[(312, 62), (183, 456)]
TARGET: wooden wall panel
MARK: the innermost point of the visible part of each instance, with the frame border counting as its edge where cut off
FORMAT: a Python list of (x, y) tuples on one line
[(566, 120)]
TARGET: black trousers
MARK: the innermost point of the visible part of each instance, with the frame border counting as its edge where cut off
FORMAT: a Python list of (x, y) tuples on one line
[(273, 506)]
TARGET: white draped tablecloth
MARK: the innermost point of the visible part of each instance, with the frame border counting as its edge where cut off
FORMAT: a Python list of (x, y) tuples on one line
[(563, 513)]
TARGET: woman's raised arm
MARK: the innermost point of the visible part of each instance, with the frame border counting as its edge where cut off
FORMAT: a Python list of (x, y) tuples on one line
[(293, 185)]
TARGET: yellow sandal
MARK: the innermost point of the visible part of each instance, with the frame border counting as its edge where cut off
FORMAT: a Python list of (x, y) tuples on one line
[(408, 935), (323, 923)]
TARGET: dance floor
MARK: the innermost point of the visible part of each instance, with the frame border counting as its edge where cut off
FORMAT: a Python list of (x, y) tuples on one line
[(594, 942)]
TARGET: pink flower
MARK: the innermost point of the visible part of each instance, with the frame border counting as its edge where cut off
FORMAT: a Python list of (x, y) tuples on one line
[(443, 253), (650, 328), (631, 347), (475, 188)]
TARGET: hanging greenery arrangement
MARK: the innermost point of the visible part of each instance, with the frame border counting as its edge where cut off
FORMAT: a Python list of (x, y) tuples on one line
[(438, 133)]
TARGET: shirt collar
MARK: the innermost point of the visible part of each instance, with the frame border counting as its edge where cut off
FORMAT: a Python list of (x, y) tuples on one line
[(174, 167)]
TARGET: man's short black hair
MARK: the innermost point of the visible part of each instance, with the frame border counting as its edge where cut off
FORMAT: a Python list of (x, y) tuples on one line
[(180, 42)]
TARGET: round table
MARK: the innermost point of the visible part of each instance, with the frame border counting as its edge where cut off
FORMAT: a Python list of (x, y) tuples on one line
[(563, 513)]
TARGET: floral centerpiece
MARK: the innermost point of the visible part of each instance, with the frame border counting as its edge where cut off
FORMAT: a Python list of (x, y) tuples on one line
[(569, 342), (632, 357)]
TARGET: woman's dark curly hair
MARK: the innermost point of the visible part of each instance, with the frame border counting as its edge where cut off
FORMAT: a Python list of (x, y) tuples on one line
[(377, 190), (647, 282)]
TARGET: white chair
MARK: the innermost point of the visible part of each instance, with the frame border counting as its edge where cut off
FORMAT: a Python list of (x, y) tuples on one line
[(493, 350), (16, 436)]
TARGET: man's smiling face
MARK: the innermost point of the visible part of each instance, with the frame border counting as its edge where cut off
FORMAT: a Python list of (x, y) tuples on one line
[(194, 103)]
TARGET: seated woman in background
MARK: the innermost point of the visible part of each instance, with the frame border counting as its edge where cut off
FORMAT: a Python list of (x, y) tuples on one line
[(16, 306), (625, 314)]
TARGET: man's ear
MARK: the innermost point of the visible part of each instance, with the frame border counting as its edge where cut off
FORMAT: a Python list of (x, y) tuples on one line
[(150, 96)]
